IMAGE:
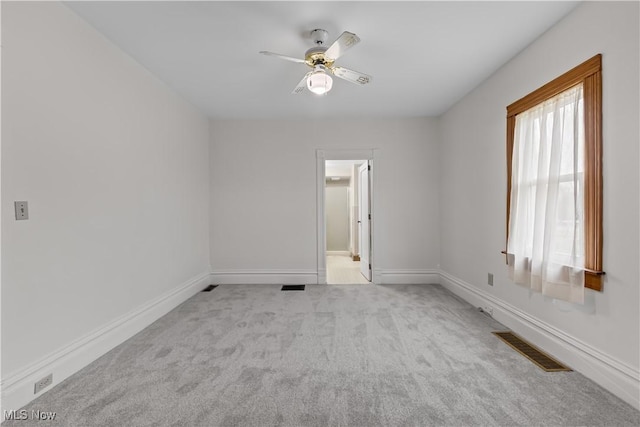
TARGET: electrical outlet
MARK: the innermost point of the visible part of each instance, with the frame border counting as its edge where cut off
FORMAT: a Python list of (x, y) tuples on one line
[(490, 279), (486, 310), (43, 383)]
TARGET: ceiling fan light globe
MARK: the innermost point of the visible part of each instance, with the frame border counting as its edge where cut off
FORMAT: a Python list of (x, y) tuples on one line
[(319, 83)]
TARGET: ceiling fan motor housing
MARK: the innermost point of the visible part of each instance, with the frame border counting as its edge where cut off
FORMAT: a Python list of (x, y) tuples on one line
[(315, 56)]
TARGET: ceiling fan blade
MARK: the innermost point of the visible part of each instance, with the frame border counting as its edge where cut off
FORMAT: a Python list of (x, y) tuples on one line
[(341, 45), (351, 76), (285, 57), (302, 85)]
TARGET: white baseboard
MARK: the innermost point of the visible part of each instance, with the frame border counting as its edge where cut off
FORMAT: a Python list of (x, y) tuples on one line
[(376, 276), (17, 387), (292, 277), (264, 277), (406, 277), (339, 253), (614, 375), (322, 276)]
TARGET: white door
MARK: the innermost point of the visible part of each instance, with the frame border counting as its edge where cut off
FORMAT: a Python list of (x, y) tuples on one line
[(364, 221)]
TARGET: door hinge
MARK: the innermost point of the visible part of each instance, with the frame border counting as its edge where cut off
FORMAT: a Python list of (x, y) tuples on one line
[(369, 216), (368, 167), (369, 266)]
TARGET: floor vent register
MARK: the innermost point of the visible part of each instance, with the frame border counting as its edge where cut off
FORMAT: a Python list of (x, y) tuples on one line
[(292, 288), (537, 356)]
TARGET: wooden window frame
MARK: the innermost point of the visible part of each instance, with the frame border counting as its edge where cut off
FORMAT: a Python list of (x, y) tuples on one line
[(589, 73)]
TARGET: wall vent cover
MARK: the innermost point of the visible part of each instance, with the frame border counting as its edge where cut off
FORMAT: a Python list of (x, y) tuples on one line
[(540, 358)]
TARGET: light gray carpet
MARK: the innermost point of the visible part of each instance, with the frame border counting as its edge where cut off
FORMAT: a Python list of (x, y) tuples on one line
[(349, 355)]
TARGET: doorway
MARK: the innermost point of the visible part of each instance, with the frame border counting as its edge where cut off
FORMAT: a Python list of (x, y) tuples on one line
[(347, 232), (345, 217)]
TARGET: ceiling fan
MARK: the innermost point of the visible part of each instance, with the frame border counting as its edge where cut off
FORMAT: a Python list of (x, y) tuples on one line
[(322, 59)]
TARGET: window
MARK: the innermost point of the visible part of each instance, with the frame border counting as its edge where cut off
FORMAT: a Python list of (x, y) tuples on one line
[(568, 176)]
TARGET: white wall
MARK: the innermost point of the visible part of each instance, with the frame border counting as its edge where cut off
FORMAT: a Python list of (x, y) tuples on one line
[(263, 192), (473, 177), (337, 214), (114, 167)]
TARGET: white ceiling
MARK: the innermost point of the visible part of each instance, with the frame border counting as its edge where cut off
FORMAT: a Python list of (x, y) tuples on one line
[(423, 56)]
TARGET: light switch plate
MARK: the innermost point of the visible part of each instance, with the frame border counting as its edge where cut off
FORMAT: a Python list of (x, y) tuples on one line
[(22, 210)]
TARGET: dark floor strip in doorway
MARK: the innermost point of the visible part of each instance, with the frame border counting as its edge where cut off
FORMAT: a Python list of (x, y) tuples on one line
[(537, 356), (209, 288), (292, 288)]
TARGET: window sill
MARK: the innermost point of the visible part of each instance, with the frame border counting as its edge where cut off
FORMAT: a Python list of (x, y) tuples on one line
[(592, 278)]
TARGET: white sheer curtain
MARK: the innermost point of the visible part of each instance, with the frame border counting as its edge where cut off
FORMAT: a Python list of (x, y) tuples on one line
[(546, 223)]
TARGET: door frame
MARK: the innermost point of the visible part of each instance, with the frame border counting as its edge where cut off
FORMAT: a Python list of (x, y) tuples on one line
[(364, 220), (343, 154)]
